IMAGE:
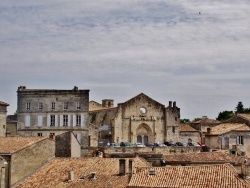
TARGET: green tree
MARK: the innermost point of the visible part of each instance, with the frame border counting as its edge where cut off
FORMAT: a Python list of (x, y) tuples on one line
[(185, 121), (239, 108), (225, 115)]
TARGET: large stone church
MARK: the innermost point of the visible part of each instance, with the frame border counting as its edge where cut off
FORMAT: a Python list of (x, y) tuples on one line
[(140, 119)]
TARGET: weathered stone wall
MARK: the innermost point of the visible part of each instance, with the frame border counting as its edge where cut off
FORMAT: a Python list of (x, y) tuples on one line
[(63, 145), (75, 146), (184, 136), (2, 124), (11, 128), (29, 159)]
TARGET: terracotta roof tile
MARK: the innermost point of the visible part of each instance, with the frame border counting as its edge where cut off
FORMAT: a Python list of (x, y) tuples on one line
[(187, 128), (227, 127), (55, 173), (207, 121), (245, 116), (215, 176), (13, 144)]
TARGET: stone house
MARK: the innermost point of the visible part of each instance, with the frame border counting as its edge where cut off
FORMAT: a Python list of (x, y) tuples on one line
[(24, 155), (45, 112), (229, 136), (11, 125), (140, 119), (67, 145), (188, 133), (3, 116)]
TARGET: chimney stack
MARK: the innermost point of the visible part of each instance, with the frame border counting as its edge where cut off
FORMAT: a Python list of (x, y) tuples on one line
[(122, 167), (71, 175), (170, 104), (174, 104)]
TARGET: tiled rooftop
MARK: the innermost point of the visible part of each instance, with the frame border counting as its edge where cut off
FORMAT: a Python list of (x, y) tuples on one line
[(13, 144), (227, 127), (246, 116), (207, 121), (187, 128), (55, 173), (203, 157), (209, 176)]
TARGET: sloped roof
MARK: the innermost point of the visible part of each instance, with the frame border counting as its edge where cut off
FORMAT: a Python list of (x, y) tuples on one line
[(215, 176), (187, 128), (203, 157), (11, 118), (206, 121), (55, 173), (227, 127), (245, 116), (13, 144), (3, 103)]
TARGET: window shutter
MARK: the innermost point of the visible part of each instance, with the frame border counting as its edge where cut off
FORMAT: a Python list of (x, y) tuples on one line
[(82, 120), (39, 121), (56, 120), (48, 120), (27, 121), (74, 120), (69, 122), (61, 120)]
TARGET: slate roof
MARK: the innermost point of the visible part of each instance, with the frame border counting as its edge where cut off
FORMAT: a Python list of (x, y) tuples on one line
[(14, 144), (55, 173), (210, 176), (187, 128), (227, 127)]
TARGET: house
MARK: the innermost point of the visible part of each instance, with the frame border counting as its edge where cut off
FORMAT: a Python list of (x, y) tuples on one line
[(67, 145), (45, 112), (229, 136), (140, 119), (84, 172), (11, 125), (3, 116), (24, 155), (222, 175), (239, 118), (188, 133)]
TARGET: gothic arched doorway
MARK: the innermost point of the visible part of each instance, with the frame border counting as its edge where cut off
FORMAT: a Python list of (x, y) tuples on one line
[(144, 134)]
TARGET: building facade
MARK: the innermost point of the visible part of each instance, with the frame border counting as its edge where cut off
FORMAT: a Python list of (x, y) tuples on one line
[(140, 119), (48, 112), (3, 117)]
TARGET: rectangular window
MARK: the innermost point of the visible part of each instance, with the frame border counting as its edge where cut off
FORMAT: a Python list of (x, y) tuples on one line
[(52, 120), (27, 106), (240, 140), (27, 121), (173, 129), (39, 134), (78, 107), (65, 106), (53, 106), (78, 120), (65, 120), (40, 106)]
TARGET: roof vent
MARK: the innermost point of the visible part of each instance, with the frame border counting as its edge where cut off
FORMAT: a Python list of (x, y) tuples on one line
[(151, 172), (93, 175)]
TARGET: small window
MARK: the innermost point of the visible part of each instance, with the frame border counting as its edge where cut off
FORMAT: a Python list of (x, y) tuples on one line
[(52, 120), (53, 106), (39, 134), (65, 120), (173, 129), (78, 107), (27, 106), (78, 120), (240, 140), (175, 118), (40, 106), (65, 106)]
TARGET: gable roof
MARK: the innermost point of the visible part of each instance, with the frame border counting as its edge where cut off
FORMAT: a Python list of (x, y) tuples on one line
[(55, 173), (189, 176), (203, 157), (227, 127), (14, 144), (187, 128)]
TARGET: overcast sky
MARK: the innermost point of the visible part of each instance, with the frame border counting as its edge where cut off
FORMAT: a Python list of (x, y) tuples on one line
[(194, 52)]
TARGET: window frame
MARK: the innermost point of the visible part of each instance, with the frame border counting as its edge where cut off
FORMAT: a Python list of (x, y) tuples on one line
[(52, 120), (240, 140), (65, 106), (78, 106), (40, 105), (53, 105), (78, 120), (65, 120), (28, 106)]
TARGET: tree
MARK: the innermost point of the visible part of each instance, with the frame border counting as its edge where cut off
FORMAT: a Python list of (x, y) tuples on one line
[(184, 121), (239, 108), (225, 115)]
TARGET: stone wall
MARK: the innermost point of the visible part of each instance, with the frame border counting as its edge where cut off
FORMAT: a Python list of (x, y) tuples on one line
[(2, 124), (195, 136), (29, 159)]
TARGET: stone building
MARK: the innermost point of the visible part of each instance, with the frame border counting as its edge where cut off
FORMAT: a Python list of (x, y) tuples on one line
[(188, 133), (48, 112), (11, 125), (23, 156), (140, 119), (3, 116)]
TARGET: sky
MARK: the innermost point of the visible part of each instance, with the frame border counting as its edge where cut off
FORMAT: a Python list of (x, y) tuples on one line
[(194, 52)]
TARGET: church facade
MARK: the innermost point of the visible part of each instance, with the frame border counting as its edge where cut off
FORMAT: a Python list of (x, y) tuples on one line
[(140, 119)]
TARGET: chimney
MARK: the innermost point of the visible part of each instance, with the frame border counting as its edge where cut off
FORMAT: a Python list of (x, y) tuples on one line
[(75, 88), (93, 175), (174, 104), (71, 175), (130, 167), (170, 104), (122, 167), (244, 170)]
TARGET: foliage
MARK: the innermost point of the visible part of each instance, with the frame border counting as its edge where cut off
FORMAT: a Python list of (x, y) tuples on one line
[(196, 119), (239, 108), (225, 115), (185, 121)]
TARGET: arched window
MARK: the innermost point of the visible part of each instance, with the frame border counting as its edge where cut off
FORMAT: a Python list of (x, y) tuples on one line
[(139, 138)]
